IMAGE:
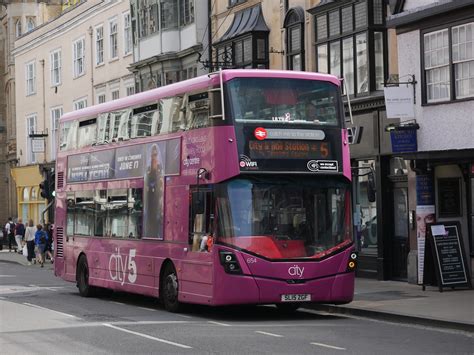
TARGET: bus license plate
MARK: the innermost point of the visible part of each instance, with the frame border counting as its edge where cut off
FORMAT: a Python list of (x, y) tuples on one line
[(296, 298)]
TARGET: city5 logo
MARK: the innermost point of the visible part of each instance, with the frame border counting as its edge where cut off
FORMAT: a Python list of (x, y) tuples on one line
[(260, 133), (246, 162), (123, 266), (295, 270)]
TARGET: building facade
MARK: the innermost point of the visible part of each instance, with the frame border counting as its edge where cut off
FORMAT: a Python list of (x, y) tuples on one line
[(170, 41), (435, 45), (17, 18), (76, 60)]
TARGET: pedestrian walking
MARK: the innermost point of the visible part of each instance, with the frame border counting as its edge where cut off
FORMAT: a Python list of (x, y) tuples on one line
[(41, 238), (10, 232), (49, 243), (30, 240), (19, 235)]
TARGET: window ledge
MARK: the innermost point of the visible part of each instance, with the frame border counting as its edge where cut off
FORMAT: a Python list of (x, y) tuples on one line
[(447, 102), (100, 65), (78, 76), (113, 59)]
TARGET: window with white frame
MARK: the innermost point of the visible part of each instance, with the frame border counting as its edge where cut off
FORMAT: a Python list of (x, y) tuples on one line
[(56, 113), (449, 52), (30, 74), (99, 45), (31, 127), (127, 34), (80, 104), (115, 94), (18, 28), (30, 24), (55, 67), (113, 39), (101, 98), (186, 13), (131, 90), (78, 57)]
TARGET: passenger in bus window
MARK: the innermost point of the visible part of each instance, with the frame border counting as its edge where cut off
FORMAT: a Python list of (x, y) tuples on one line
[(153, 195)]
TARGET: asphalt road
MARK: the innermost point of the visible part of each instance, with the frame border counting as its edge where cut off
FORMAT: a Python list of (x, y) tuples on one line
[(41, 314)]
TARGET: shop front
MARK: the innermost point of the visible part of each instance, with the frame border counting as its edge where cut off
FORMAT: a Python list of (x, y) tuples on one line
[(30, 205)]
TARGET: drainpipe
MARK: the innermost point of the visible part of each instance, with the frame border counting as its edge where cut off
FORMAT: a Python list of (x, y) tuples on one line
[(44, 107), (91, 32), (209, 35)]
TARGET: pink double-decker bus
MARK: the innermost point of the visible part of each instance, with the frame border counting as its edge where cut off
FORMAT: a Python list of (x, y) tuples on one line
[(229, 188)]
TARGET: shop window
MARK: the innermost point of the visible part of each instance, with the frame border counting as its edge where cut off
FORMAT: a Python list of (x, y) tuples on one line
[(366, 211)]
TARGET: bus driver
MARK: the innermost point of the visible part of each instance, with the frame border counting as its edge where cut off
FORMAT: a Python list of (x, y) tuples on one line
[(153, 196)]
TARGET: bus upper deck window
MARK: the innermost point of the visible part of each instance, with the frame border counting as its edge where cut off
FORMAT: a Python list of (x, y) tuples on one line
[(68, 137)]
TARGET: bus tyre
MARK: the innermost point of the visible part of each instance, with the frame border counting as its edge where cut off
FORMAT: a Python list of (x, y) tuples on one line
[(288, 307), (169, 289), (85, 290)]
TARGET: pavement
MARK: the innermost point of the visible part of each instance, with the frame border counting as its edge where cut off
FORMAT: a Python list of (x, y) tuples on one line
[(385, 300)]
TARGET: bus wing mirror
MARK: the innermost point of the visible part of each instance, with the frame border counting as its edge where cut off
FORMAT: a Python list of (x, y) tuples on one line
[(371, 187), (198, 202), (215, 103)]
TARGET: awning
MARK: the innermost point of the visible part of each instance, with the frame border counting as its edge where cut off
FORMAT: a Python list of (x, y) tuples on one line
[(245, 21)]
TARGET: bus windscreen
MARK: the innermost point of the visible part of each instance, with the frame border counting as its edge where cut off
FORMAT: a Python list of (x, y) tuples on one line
[(284, 218), (297, 101)]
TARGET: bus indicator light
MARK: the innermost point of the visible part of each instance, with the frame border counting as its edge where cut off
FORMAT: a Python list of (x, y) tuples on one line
[(260, 133)]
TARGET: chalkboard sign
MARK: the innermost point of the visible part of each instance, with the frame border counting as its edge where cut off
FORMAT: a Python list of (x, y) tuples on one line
[(444, 256)]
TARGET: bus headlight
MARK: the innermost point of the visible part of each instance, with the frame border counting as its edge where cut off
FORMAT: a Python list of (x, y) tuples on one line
[(229, 261)]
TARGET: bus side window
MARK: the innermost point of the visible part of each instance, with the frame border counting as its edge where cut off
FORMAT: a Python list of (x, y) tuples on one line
[(201, 219), (120, 125), (87, 133), (173, 115), (197, 111), (135, 213), (103, 128), (68, 139)]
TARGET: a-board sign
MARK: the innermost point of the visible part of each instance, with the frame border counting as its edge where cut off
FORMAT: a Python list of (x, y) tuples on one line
[(446, 256)]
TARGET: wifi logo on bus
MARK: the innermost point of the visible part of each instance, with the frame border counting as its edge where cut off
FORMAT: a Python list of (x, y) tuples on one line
[(260, 133)]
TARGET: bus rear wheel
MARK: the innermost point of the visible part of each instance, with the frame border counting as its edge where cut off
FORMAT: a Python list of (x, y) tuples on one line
[(169, 290), (85, 290)]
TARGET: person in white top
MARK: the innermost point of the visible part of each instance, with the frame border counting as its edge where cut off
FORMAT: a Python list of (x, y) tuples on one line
[(30, 240)]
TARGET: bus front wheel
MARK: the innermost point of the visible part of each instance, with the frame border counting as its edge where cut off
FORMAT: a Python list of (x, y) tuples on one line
[(85, 290), (169, 289)]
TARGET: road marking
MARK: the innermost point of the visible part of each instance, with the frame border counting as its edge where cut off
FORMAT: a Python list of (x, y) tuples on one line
[(50, 310), (120, 303), (183, 316), (7, 275), (148, 309), (147, 336), (217, 323), (271, 334), (329, 346)]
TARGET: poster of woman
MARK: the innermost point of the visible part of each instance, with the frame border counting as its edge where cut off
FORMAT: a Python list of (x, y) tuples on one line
[(153, 192), (424, 215)]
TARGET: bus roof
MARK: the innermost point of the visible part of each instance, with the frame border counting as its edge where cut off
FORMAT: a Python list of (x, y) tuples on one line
[(197, 83)]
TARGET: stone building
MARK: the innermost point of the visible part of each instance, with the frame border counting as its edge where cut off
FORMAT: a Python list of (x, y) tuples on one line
[(17, 19), (73, 61)]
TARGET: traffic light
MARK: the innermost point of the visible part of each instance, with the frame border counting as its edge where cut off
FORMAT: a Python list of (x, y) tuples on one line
[(47, 186), (44, 188)]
